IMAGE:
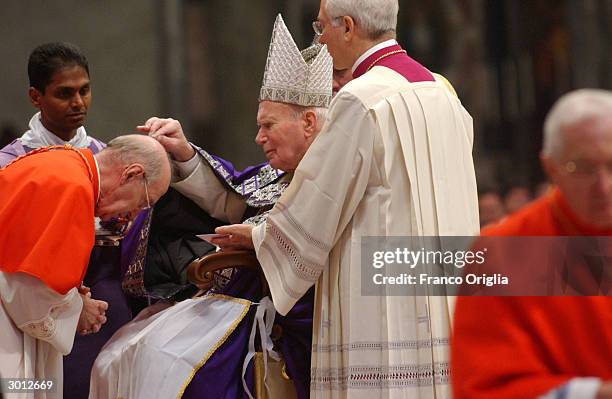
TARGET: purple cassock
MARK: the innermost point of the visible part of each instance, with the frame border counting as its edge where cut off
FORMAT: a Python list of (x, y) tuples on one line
[(103, 276), (221, 374)]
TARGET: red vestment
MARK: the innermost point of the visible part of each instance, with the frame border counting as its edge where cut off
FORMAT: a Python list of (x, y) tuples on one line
[(522, 347), (47, 202)]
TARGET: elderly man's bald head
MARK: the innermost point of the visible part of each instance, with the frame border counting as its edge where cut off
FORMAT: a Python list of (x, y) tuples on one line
[(134, 174), (145, 150)]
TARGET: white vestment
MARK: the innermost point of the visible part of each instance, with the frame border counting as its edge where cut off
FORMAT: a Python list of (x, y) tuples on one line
[(39, 136), (393, 159), (157, 355), (37, 329)]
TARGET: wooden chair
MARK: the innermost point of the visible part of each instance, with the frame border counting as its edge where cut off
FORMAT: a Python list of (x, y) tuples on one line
[(201, 273)]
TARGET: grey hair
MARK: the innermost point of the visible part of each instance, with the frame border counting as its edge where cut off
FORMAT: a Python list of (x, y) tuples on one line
[(133, 148), (320, 113), (574, 108), (375, 17)]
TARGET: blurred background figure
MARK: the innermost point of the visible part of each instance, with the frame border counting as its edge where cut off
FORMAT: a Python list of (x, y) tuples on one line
[(516, 198), (541, 189), (536, 336), (491, 208)]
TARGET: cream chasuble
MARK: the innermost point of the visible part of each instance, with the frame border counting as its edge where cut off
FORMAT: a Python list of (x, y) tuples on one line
[(394, 159), (38, 326)]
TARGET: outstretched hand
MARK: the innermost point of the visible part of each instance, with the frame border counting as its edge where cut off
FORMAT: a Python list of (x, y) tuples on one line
[(170, 135), (235, 237)]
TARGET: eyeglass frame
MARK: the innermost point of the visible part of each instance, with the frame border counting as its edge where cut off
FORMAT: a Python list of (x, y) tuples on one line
[(317, 26), (146, 186), (585, 169)]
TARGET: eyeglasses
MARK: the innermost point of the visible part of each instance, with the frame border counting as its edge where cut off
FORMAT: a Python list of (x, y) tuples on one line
[(146, 186), (318, 26), (587, 171)]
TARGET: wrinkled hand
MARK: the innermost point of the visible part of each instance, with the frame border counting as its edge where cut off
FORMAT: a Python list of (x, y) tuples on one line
[(170, 135), (605, 390), (236, 237), (93, 315)]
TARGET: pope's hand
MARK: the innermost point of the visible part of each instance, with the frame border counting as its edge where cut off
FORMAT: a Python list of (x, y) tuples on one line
[(170, 135), (93, 315), (235, 237)]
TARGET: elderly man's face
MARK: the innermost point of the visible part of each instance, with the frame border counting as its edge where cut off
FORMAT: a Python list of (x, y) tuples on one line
[(341, 78), (281, 135), (131, 194), (332, 36), (583, 171)]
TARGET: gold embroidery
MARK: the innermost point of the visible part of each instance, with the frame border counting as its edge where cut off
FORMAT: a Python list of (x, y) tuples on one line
[(221, 341)]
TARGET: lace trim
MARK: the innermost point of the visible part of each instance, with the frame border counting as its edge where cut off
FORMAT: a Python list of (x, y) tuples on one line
[(265, 176), (284, 95), (377, 377), (281, 271), (305, 270), (266, 196), (386, 346), (46, 327), (257, 219), (285, 212)]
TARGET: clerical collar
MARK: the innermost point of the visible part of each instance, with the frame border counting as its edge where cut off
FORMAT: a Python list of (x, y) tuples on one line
[(379, 46)]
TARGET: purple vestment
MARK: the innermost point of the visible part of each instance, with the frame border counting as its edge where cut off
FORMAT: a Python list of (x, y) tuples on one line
[(221, 375)]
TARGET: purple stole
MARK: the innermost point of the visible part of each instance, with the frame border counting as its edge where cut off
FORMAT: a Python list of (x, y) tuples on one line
[(396, 59)]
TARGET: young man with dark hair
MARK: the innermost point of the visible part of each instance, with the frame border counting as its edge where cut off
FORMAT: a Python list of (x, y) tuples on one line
[(60, 89)]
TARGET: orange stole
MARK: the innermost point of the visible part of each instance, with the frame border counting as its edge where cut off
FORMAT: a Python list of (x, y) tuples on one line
[(522, 347), (47, 202)]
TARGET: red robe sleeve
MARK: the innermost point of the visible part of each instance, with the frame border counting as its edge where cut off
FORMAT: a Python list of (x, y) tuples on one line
[(523, 347), (47, 217)]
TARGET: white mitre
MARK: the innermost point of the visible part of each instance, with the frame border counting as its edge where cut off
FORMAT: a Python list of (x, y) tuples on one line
[(296, 78)]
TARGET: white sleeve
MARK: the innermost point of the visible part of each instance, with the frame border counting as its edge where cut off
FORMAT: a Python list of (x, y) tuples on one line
[(197, 181), (184, 169), (39, 311), (576, 388), (294, 243)]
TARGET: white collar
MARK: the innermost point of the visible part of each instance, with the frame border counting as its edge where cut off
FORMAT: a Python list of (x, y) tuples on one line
[(38, 136), (372, 50)]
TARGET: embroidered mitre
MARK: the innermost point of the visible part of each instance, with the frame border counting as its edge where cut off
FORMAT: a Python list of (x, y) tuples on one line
[(301, 78)]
